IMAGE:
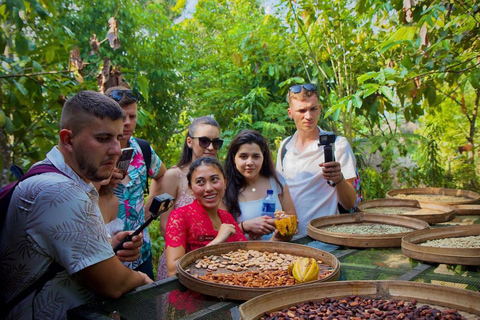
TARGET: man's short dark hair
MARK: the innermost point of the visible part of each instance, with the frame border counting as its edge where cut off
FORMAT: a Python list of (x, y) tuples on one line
[(79, 109)]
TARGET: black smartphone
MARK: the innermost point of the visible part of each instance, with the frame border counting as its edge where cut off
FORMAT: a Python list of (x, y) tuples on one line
[(124, 161)]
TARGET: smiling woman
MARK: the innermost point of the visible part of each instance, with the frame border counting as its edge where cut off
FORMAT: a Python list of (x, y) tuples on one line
[(201, 223), (251, 173)]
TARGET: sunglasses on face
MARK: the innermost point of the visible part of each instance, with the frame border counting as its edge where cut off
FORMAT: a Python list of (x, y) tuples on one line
[(204, 142), (307, 86), (118, 95)]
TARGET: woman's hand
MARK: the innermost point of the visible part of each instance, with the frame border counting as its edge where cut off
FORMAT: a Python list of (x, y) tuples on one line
[(225, 231), (259, 226), (278, 237)]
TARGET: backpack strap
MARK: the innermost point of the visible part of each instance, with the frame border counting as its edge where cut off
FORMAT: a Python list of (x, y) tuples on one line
[(283, 150), (147, 156)]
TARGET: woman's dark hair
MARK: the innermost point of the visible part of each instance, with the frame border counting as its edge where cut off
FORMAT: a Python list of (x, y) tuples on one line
[(236, 182), (187, 152), (206, 161)]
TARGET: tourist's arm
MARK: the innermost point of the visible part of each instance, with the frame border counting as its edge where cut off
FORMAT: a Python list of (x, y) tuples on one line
[(173, 254), (225, 231), (259, 226), (110, 278), (345, 190), (286, 201)]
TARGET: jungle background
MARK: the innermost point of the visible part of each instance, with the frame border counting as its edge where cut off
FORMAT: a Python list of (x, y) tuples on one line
[(400, 79)]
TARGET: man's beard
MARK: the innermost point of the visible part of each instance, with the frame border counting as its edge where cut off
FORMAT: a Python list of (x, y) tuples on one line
[(88, 169)]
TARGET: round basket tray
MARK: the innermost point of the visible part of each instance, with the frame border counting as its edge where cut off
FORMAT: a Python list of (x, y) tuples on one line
[(315, 230), (465, 301), (428, 212), (244, 293), (467, 209), (463, 256), (435, 195)]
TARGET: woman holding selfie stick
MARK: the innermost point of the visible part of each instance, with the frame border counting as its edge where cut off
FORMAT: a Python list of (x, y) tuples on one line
[(202, 140)]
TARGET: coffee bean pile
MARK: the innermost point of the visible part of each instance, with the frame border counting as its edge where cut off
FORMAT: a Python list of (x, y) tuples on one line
[(358, 308)]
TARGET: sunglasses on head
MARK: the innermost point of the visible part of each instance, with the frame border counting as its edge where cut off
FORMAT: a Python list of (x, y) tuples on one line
[(204, 142), (118, 95), (307, 86)]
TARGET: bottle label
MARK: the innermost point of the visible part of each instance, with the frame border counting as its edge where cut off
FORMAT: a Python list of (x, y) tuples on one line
[(268, 209)]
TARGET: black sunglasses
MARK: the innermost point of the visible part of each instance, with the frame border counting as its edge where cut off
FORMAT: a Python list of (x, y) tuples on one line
[(118, 95), (204, 142), (307, 86)]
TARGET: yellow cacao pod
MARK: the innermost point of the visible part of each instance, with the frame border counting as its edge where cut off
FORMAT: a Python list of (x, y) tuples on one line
[(305, 270), (287, 226)]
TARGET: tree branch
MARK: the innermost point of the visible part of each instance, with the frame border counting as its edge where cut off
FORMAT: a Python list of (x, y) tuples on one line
[(33, 74), (445, 71)]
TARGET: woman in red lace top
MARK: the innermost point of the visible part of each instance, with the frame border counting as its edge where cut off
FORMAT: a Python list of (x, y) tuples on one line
[(201, 223)]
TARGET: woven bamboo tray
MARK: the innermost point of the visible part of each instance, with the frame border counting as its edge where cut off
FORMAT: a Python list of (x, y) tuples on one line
[(466, 302), (463, 256), (428, 212), (315, 230), (435, 195), (244, 293)]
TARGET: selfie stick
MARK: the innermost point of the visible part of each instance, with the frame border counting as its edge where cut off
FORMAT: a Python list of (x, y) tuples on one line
[(159, 205)]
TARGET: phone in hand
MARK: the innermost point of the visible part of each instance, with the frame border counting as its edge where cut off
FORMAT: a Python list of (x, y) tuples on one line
[(124, 161)]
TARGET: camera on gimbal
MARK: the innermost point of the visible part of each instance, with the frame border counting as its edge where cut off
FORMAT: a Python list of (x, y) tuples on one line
[(327, 140)]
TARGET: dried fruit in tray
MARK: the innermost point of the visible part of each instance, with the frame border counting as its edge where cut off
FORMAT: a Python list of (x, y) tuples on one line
[(430, 197), (455, 242), (252, 268), (367, 228), (355, 307)]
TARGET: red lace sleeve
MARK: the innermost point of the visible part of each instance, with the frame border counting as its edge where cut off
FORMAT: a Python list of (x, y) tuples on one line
[(176, 231)]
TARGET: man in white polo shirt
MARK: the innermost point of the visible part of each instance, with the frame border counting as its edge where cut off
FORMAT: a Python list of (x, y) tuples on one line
[(316, 186)]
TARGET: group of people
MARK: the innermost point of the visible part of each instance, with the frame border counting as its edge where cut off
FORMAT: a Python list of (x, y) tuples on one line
[(76, 216)]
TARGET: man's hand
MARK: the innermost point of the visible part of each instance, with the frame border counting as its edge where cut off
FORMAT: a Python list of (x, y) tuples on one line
[(115, 178), (131, 249), (146, 279), (332, 171)]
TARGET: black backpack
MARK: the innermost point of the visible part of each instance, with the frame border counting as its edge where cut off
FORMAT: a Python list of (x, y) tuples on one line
[(147, 156)]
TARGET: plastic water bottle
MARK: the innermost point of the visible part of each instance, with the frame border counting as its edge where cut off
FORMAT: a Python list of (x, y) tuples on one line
[(268, 205)]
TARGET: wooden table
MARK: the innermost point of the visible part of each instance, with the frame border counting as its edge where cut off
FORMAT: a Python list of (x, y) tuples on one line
[(168, 299)]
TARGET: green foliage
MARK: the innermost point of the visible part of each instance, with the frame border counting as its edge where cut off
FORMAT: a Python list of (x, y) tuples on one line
[(379, 72), (158, 243)]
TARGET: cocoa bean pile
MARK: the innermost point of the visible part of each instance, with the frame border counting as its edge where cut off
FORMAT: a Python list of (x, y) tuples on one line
[(357, 308)]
